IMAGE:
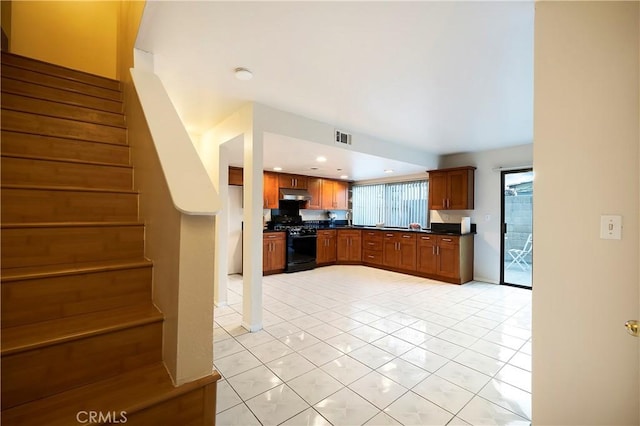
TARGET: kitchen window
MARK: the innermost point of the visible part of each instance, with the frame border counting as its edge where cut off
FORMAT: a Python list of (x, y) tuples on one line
[(394, 204)]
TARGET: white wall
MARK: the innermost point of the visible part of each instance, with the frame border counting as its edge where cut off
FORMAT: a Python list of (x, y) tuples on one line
[(586, 127), (487, 203)]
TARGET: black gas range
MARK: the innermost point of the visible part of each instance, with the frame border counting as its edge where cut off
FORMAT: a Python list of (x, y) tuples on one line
[(301, 242)]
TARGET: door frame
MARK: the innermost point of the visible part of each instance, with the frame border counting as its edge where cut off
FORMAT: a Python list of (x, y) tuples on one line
[(503, 173)]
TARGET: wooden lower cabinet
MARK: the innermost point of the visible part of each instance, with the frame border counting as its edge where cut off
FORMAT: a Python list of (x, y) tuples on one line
[(399, 250), (274, 246), (447, 258), (326, 247), (349, 246), (426, 260)]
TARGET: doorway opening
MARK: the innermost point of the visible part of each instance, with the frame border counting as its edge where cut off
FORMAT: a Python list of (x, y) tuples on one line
[(517, 228)]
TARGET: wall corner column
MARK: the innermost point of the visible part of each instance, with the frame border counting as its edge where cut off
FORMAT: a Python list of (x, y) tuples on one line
[(252, 232)]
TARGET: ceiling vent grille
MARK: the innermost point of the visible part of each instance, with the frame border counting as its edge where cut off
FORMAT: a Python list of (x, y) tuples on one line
[(343, 138)]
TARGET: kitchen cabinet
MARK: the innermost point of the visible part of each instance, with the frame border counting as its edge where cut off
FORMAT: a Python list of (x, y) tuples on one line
[(292, 181), (327, 194), (235, 176), (372, 247), (335, 195), (270, 190), (326, 252), (274, 246), (399, 250), (314, 186), (449, 258), (427, 260), (349, 246), (451, 189)]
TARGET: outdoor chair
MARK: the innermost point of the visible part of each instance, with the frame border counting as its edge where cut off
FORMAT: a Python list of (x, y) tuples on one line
[(518, 256)]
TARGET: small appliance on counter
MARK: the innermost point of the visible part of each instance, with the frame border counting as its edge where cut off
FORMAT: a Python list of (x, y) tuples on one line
[(332, 217), (465, 225), (452, 228)]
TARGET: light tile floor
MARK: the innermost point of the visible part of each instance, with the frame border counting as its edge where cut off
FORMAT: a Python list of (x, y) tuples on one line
[(351, 345)]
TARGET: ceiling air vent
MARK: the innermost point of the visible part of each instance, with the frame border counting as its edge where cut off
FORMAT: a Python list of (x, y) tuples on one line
[(343, 138)]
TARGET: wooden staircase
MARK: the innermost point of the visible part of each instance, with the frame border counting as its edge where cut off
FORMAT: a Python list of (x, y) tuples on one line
[(80, 334)]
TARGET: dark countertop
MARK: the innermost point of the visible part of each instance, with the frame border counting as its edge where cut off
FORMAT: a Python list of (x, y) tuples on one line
[(375, 228), (418, 231)]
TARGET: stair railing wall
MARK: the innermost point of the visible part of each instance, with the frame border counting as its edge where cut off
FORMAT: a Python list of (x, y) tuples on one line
[(177, 204)]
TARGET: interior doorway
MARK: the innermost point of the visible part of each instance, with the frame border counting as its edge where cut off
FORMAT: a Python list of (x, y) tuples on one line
[(517, 228)]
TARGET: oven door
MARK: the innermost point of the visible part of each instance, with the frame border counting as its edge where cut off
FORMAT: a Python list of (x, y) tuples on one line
[(301, 252)]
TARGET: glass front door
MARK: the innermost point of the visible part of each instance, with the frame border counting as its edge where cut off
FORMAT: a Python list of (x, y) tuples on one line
[(517, 228)]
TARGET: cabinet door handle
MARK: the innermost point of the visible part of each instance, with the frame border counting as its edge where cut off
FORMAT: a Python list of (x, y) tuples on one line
[(437, 250), (433, 249), (447, 239), (369, 256), (406, 236), (448, 203), (444, 203)]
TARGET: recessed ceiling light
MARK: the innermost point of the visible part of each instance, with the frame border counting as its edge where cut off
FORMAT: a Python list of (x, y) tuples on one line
[(388, 171), (243, 74), (321, 159), (277, 169), (344, 176)]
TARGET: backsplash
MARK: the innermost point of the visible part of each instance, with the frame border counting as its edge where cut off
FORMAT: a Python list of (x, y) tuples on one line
[(310, 214)]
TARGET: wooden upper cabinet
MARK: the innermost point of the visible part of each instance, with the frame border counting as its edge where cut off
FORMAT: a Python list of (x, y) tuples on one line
[(270, 190), (335, 195), (341, 195), (292, 181), (235, 176), (314, 186), (451, 189)]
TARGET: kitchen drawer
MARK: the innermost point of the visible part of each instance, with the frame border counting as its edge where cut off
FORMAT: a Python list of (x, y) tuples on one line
[(326, 233), (273, 236), (372, 245), (448, 241), (373, 257), (372, 235), (427, 240), (406, 237), (349, 233)]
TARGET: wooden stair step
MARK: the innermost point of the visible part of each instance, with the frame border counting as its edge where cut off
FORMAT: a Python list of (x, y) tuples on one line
[(23, 203), (39, 360), (18, 121), (24, 245), (31, 145), (146, 396), (30, 295), (34, 90), (47, 333), (60, 110), (63, 73), (49, 271), (27, 170)]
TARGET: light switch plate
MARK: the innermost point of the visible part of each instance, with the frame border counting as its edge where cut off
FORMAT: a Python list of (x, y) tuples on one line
[(611, 227)]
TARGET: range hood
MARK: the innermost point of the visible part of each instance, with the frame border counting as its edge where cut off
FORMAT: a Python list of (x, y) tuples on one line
[(294, 194)]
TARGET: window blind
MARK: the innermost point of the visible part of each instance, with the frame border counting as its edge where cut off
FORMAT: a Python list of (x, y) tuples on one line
[(395, 204)]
